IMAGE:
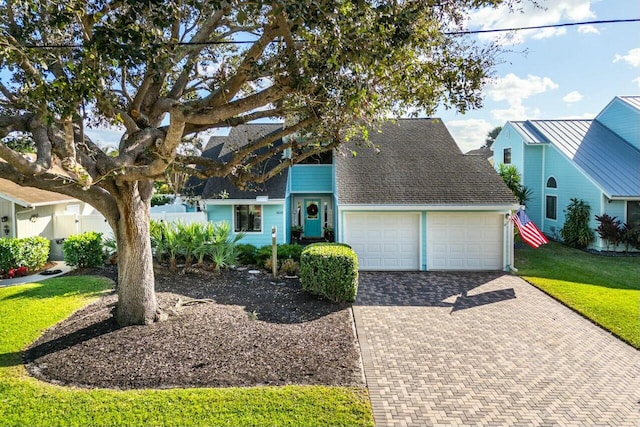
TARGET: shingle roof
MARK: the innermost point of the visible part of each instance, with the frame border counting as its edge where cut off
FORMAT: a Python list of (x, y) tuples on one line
[(602, 155), (29, 196), (419, 163), (222, 148)]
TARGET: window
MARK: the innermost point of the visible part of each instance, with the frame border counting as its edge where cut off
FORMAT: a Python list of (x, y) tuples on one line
[(248, 218), (633, 213), (552, 207), (506, 156), (551, 183)]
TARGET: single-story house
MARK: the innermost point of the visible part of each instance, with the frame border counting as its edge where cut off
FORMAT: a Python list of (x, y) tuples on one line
[(28, 211), (414, 203), (596, 160)]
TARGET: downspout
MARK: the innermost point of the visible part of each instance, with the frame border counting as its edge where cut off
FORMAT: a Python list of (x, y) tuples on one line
[(508, 240), (14, 221), (543, 186)]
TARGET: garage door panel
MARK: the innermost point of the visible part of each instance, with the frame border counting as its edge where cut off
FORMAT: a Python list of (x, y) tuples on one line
[(464, 241), (384, 241)]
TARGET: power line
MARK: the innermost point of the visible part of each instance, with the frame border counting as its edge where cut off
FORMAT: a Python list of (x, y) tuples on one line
[(540, 27), (452, 33)]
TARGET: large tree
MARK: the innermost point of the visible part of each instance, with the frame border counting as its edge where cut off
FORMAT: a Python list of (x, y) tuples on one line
[(165, 70)]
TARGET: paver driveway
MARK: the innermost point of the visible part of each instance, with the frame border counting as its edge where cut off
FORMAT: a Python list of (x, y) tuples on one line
[(487, 349)]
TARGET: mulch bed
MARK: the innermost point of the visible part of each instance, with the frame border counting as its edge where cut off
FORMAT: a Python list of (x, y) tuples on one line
[(257, 331)]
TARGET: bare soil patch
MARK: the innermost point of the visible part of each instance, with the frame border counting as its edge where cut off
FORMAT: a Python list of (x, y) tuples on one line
[(250, 330)]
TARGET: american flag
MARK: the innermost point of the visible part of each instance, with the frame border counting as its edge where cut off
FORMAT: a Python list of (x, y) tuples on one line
[(528, 230)]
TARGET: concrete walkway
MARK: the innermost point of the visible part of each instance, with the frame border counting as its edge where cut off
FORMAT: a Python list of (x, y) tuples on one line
[(60, 265), (488, 349)]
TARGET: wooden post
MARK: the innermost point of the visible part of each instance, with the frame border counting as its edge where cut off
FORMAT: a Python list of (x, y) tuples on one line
[(274, 252)]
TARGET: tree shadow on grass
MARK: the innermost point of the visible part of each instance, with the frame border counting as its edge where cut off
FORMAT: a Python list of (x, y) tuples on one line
[(94, 330), (8, 360)]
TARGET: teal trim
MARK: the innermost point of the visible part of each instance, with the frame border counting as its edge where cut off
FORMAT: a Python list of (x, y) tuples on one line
[(423, 242), (272, 215), (311, 179), (312, 220)]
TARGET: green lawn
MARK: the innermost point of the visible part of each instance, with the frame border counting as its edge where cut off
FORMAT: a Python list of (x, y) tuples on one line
[(26, 310), (604, 289)]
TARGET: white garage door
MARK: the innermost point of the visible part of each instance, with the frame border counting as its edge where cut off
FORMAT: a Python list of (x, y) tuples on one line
[(384, 241), (464, 241)]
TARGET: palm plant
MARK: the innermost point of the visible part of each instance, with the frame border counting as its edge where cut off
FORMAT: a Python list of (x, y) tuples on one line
[(187, 236), (157, 239), (202, 241), (223, 250), (172, 244)]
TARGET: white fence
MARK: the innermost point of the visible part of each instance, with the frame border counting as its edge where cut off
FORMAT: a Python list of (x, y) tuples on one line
[(68, 224)]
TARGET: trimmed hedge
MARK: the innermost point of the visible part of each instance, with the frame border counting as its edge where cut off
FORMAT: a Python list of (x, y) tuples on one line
[(330, 270), (30, 252), (83, 250)]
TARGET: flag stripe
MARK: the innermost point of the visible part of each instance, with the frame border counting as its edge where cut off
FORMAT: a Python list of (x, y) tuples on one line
[(528, 230)]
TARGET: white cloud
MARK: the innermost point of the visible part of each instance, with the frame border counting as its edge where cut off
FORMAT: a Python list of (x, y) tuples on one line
[(515, 90), (632, 57), (637, 81), (588, 29), (469, 134), (572, 97), (549, 12), (548, 33)]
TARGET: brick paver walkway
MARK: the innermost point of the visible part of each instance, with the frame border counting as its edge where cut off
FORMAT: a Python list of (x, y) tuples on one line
[(487, 349)]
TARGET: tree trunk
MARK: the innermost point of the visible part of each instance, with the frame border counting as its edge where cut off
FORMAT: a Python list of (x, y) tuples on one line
[(137, 304)]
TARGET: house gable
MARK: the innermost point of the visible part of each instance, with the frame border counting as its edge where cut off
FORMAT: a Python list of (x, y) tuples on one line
[(622, 116), (416, 163)]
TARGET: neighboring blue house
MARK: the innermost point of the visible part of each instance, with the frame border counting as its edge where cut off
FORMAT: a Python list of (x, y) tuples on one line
[(417, 203), (594, 160)]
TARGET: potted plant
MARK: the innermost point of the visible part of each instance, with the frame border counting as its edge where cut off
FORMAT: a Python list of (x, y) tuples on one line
[(329, 235), (296, 233)]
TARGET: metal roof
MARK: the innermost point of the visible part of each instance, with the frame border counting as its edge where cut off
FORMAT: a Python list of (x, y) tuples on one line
[(528, 132), (607, 159), (634, 101)]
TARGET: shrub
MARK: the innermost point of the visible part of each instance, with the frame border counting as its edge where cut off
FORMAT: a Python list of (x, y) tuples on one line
[(263, 254), (285, 251), (610, 229), (83, 250), (290, 267), (8, 252), (247, 253), (630, 235), (161, 199), (330, 270), (33, 252), (30, 252), (576, 231)]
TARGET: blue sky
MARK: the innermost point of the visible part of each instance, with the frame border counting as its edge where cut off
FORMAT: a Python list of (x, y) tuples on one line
[(570, 72)]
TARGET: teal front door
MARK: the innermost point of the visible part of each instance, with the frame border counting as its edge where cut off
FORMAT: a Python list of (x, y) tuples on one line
[(312, 218)]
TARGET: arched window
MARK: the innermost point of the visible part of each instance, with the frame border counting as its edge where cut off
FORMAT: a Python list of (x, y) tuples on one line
[(551, 183)]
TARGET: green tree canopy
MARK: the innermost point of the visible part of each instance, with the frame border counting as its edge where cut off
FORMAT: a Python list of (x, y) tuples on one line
[(491, 136), (164, 71)]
